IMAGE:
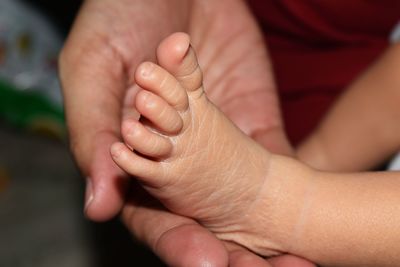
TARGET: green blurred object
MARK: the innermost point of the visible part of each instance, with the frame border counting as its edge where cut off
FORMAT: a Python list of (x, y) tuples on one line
[(30, 94), (30, 111)]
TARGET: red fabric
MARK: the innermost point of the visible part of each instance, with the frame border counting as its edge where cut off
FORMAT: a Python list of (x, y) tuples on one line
[(318, 47)]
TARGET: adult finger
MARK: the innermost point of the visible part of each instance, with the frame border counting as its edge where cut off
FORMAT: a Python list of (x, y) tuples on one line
[(92, 78), (240, 257), (177, 240)]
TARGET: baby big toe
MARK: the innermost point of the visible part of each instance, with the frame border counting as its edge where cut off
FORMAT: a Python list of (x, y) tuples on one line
[(177, 56)]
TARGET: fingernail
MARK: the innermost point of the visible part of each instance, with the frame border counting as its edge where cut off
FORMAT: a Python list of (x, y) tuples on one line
[(89, 193)]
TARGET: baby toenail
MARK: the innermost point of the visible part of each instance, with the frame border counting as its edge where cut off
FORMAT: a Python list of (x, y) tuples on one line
[(116, 150), (147, 99), (146, 69), (131, 130)]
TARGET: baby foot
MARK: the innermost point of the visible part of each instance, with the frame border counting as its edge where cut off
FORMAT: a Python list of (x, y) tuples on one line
[(186, 152)]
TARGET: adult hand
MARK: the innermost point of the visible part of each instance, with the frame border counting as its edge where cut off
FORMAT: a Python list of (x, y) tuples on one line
[(179, 241), (106, 44), (108, 41)]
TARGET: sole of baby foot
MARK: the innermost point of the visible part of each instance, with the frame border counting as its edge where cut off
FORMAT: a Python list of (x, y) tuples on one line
[(205, 168)]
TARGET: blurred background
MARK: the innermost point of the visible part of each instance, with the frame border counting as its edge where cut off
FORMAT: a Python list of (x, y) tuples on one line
[(41, 191)]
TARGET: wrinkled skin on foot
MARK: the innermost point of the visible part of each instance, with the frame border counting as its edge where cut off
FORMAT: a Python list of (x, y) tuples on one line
[(97, 64), (186, 152)]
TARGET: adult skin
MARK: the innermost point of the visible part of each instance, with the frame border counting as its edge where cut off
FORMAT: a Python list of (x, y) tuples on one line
[(109, 39)]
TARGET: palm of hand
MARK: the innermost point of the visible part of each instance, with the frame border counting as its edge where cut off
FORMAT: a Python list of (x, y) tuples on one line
[(230, 49)]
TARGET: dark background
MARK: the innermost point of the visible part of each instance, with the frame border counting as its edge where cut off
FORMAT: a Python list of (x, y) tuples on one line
[(60, 12)]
